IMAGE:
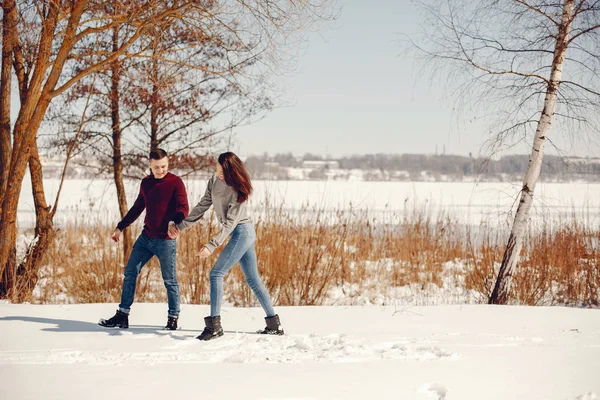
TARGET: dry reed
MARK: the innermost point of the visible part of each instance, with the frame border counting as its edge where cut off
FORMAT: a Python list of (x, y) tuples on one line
[(301, 262)]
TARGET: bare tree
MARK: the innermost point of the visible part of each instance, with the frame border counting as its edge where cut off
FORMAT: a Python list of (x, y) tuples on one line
[(55, 45), (525, 65)]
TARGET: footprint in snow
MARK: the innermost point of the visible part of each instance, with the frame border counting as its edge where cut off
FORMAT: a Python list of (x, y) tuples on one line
[(434, 390)]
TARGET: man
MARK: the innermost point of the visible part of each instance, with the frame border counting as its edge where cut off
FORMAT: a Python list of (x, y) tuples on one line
[(163, 196)]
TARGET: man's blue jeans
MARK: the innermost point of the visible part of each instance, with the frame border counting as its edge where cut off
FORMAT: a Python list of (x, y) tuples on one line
[(143, 250), (240, 248)]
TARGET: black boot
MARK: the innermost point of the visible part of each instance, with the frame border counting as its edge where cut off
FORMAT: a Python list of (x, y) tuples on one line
[(273, 326), (120, 320), (213, 328), (171, 323)]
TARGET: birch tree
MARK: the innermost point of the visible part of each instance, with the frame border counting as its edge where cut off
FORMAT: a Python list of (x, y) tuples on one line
[(526, 65)]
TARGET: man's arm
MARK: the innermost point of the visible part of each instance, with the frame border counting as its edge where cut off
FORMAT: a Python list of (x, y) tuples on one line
[(181, 202), (199, 210), (133, 213)]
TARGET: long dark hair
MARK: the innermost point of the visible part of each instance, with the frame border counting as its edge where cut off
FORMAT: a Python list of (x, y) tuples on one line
[(236, 175)]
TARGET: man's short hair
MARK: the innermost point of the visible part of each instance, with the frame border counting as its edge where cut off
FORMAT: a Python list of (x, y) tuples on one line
[(157, 154)]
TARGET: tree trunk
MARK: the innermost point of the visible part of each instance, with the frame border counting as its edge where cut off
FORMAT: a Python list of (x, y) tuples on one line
[(116, 136), (9, 9), (8, 239), (502, 288), (8, 274), (24, 141), (154, 107), (27, 273)]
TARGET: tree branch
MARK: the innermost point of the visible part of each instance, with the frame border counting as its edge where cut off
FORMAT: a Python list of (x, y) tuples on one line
[(537, 10), (581, 87), (582, 33), (104, 63)]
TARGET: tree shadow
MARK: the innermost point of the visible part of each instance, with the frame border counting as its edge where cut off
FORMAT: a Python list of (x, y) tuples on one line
[(67, 325)]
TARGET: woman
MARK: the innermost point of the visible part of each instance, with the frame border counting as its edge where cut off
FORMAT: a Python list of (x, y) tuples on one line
[(228, 191)]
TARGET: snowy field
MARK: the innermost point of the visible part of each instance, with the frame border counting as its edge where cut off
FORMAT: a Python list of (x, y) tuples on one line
[(473, 203), (442, 352)]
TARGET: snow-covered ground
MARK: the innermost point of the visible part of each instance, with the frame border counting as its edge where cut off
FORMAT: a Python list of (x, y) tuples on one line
[(471, 202), (438, 352)]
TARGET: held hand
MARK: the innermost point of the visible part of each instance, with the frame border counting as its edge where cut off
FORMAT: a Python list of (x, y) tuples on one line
[(173, 232), (116, 235), (204, 253)]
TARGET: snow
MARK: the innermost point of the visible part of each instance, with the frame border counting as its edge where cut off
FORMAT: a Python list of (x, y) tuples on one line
[(372, 291), (430, 352)]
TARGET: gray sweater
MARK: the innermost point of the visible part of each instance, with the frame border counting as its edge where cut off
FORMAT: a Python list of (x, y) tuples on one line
[(229, 212)]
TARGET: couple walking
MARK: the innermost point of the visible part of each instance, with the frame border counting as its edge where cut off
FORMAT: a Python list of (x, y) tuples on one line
[(164, 197)]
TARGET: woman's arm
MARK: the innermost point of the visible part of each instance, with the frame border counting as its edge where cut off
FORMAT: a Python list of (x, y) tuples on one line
[(199, 210), (234, 212)]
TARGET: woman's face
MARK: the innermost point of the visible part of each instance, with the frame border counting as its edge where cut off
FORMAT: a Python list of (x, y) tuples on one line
[(219, 172)]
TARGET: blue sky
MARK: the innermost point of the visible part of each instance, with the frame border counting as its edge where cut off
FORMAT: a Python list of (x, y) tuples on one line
[(355, 93)]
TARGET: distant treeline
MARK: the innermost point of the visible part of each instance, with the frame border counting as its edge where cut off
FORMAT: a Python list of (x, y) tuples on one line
[(425, 167), (379, 167)]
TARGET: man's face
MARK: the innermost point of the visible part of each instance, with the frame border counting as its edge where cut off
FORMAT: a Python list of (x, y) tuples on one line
[(159, 167)]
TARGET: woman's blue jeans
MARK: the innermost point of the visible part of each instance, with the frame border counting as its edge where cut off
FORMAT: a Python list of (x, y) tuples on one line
[(240, 248)]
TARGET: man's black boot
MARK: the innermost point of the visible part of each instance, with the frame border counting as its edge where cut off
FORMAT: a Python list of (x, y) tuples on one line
[(213, 328), (120, 320), (171, 323)]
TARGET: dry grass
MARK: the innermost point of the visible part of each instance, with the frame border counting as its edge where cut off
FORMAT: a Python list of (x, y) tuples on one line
[(559, 266), (302, 260)]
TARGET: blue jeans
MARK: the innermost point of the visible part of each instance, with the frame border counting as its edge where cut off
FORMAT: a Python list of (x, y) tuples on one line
[(143, 250), (240, 248)]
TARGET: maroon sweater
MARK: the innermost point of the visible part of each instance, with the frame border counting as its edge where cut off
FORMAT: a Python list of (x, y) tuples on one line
[(164, 200)]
